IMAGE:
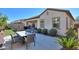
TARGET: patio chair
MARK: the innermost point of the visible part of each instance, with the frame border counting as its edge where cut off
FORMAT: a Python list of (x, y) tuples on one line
[(30, 39), (3, 47), (16, 39)]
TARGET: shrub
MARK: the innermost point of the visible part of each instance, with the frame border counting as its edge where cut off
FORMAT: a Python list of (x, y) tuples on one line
[(71, 33), (68, 43), (52, 32), (7, 27), (39, 30), (44, 31)]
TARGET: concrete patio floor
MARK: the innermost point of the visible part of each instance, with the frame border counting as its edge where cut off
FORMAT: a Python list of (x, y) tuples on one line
[(43, 42)]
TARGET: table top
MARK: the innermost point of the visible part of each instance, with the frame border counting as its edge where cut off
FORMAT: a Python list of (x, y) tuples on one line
[(23, 33)]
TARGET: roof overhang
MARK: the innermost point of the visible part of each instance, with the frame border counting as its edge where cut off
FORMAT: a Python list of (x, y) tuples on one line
[(61, 10)]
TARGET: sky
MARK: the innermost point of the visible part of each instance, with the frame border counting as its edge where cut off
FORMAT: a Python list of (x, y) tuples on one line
[(24, 13)]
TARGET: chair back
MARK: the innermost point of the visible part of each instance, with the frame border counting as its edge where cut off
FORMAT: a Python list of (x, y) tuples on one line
[(30, 38)]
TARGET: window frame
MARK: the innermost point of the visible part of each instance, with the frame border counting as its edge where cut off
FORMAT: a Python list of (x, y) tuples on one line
[(42, 25), (53, 22)]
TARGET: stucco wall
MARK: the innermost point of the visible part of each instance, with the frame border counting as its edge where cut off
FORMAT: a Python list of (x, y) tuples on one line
[(48, 20), (71, 22)]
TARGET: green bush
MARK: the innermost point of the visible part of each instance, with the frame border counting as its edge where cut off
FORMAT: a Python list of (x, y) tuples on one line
[(7, 27), (68, 43), (71, 33), (52, 32), (39, 30), (44, 31)]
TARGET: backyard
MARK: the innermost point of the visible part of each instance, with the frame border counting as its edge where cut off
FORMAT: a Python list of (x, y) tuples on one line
[(49, 38)]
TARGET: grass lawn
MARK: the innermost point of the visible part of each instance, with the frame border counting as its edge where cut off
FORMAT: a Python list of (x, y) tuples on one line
[(8, 32)]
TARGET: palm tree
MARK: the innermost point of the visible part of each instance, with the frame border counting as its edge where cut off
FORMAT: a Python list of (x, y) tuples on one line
[(3, 21)]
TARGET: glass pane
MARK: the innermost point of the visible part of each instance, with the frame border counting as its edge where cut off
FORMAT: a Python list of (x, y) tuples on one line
[(56, 22), (42, 24)]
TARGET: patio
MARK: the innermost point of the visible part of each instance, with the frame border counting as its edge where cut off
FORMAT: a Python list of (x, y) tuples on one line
[(42, 42)]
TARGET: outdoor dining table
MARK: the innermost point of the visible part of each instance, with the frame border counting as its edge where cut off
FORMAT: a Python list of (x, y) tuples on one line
[(27, 36), (23, 33), (20, 33)]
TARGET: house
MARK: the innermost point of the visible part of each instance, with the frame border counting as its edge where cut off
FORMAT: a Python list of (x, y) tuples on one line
[(17, 25), (53, 19), (76, 25)]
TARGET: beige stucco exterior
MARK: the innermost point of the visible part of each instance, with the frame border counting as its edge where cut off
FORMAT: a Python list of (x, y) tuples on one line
[(48, 21), (33, 21)]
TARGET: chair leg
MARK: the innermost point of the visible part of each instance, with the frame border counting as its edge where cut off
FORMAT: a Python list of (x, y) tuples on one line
[(11, 47), (34, 40), (26, 45)]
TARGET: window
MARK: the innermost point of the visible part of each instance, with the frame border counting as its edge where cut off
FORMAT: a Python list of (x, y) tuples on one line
[(42, 24), (56, 22)]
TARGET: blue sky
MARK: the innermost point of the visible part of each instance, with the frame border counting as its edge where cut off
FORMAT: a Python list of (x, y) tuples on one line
[(74, 11), (24, 13)]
